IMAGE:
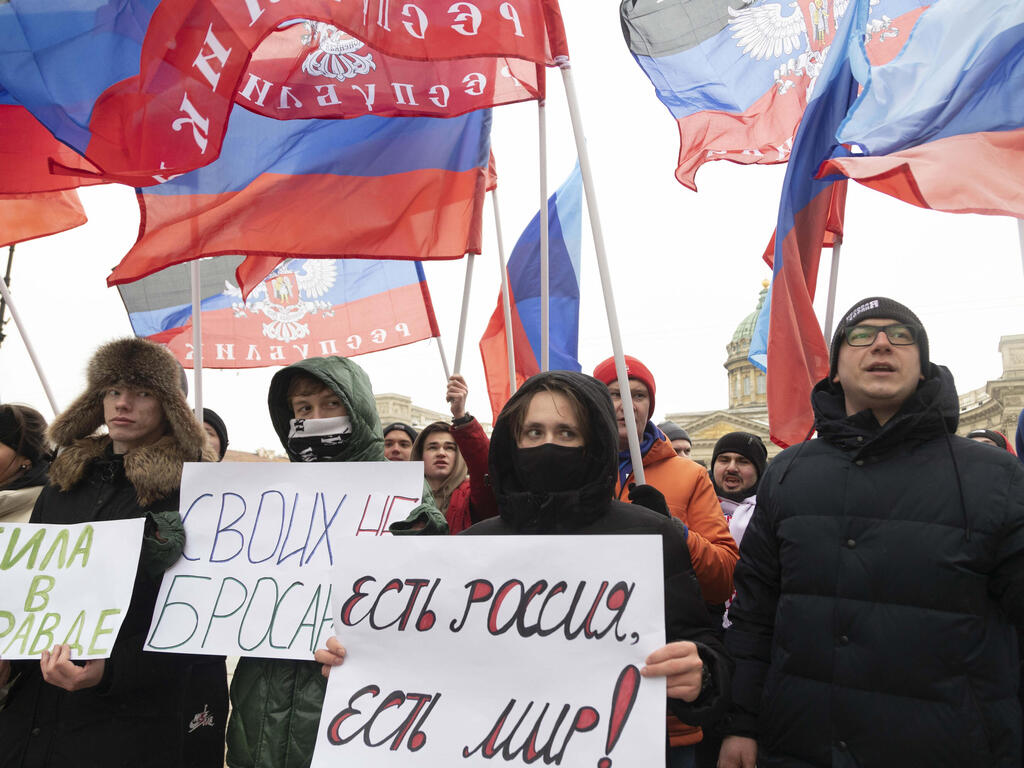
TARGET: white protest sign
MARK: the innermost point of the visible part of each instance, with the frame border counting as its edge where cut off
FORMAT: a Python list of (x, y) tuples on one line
[(260, 540), (66, 584), (476, 650)]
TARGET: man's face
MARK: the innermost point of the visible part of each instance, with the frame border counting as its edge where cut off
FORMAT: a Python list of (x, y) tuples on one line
[(550, 418), (880, 376), (682, 447), (322, 404), (986, 440), (439, 452), (734, 472), (133, 416), (641, 397), (213, 437), (397, 445)]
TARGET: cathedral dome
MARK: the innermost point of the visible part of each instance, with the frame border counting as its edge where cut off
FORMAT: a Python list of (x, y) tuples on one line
[(745, 330)]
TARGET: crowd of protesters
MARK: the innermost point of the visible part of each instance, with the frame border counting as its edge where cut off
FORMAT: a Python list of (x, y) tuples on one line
[(855, 602)]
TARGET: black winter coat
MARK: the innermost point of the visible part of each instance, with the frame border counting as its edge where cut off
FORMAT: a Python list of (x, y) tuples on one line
[(877, 591), (134, 718), (591, 510)]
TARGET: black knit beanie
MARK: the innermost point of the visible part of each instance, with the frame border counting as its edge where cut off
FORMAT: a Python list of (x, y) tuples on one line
[(745, 444), (214, 420), (873, 308), (674, 432), (400, 425)]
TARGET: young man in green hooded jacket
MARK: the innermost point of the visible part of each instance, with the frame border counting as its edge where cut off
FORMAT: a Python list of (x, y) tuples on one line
[(323, 410)]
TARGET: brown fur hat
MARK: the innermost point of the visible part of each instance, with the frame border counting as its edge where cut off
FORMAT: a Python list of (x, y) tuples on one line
[(136, 363)]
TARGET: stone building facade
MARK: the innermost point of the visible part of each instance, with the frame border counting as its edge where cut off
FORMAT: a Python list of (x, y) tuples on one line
[(392, 407), (994, 406), (997, 405)]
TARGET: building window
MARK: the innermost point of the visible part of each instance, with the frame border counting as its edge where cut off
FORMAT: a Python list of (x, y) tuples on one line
[(761, 384), (746, 385)]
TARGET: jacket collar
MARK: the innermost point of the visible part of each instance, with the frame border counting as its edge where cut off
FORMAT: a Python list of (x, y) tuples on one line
[(931, 410), (154, 471)]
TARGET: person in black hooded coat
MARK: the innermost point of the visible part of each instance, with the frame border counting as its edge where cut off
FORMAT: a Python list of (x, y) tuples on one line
[(550, 488), (882, 577)]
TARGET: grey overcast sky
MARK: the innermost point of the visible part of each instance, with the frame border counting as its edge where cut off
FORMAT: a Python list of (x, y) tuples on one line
[(686, 267)]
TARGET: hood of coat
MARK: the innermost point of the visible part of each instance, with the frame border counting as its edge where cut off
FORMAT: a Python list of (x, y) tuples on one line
[(565, 510), (931, 410), (350, 383)]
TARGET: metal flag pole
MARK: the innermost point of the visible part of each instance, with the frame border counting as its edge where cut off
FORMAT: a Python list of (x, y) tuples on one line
[(833, 280), (7, 280), (197, 339), (602, 264), (505, 299), (465, 312), (1020, 235), (545, 288), (6, 294), (444, 360)]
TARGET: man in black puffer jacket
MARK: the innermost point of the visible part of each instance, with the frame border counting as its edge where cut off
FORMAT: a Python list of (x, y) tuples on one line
[(881, 580)]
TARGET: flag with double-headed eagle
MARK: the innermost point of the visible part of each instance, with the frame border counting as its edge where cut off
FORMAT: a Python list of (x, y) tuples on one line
[(736, 74), (942, 126), (144, 89), (303, 308)]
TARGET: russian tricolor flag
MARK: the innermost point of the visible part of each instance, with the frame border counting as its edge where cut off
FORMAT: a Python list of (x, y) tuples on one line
[(796, 353), (381, 188), (565, 223)]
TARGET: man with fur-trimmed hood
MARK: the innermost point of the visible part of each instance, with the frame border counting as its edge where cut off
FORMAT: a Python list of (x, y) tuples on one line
[(124, 710)]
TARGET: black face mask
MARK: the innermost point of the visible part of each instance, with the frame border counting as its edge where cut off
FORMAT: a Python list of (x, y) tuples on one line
[(551, 468), (319, 439)]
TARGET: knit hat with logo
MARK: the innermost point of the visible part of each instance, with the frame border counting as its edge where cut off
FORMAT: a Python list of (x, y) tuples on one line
[(872, 309)]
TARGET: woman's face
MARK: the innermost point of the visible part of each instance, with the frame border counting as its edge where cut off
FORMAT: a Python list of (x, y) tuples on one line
[(10, 463), (550, 418), (439, 452)]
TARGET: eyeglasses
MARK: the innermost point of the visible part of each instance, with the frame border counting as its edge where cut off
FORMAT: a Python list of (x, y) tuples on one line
[(899, 334)]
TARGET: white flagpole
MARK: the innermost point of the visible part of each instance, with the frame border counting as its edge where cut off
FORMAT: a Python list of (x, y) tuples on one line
[(545, 288), (28, 346), (833, 280), (465, 312), (602, 264), (197, 339), (505, 299), (444, 360), (1020, 235)]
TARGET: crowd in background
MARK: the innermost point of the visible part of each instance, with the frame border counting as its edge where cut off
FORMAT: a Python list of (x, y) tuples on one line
[(854, 602)]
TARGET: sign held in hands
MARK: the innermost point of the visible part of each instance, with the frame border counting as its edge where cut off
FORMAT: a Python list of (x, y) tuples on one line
[(476, 651), (260, 540), (66, 584)]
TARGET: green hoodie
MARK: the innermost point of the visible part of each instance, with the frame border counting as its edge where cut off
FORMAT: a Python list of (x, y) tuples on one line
[(276, 703)]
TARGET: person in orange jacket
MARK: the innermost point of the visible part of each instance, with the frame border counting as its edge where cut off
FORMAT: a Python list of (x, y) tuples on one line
[(688, 491), (688, 495)]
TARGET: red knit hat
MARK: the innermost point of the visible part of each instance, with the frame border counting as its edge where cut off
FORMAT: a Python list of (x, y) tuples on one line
[(605, 372)]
